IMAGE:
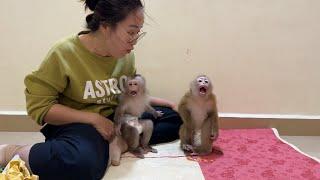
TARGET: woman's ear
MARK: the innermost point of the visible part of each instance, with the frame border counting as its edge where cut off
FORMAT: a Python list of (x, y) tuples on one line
[(103, 27)]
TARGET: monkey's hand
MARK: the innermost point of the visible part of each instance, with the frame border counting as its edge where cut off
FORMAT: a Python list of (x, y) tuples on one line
[(158, 114), (118, 130)]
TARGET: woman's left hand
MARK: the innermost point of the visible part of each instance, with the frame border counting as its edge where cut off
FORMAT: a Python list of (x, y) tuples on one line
[(174, 106)]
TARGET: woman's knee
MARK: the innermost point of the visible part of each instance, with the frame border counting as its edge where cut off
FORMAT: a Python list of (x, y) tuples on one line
[(84, 150), (78, 153), (89, 163), (172, 117)]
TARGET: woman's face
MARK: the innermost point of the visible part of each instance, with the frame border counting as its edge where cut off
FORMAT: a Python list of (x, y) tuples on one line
[(124, 36)]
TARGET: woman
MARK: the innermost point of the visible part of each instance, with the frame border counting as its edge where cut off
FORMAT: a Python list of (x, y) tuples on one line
[(74, 92)]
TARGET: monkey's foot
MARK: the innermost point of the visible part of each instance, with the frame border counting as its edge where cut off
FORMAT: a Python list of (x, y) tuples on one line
[(187, 147), (197, 152), (217, 150), (149, 149), (192, 154), (138, 153), (214, 136)]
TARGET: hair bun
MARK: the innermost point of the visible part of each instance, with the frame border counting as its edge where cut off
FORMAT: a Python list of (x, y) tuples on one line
[(89, 18), (91, 4)]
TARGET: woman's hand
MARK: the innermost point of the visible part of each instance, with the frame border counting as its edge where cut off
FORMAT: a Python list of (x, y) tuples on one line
[(103, 125), (174, 107)]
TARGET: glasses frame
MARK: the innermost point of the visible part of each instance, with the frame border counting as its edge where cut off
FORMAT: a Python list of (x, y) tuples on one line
[(137, 38)]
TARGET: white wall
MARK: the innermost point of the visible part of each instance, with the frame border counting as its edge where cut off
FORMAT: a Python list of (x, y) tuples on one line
[(262, 55)]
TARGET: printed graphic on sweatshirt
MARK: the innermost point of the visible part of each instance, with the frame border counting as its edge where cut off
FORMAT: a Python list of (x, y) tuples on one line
[(104, 91)]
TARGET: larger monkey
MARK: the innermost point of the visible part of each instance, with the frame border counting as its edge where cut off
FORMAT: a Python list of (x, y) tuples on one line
[(199, 113), (133, 134)]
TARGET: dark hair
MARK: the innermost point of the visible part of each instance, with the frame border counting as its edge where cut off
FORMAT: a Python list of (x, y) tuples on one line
[(109, 11)]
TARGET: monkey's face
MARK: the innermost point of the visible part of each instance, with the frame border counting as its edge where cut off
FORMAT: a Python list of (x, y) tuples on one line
[(135, 86), (201, 86)]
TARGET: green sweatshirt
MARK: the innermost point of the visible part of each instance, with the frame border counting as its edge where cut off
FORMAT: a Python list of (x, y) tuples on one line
[(73, 76)]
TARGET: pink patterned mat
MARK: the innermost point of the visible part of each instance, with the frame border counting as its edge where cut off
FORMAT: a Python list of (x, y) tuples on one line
[(257, 154)]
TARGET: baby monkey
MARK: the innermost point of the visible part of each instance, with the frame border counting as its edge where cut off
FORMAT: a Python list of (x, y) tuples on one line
[(198, 110), (133, 133)]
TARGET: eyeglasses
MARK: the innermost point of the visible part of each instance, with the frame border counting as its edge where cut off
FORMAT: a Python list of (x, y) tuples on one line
[(130, 38), (135, 38)]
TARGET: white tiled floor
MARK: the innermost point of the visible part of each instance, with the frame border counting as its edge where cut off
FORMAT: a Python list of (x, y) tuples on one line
[(177, 168), (307, 144)]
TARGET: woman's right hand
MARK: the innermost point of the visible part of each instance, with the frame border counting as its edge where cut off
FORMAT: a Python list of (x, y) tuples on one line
[(103, 125)]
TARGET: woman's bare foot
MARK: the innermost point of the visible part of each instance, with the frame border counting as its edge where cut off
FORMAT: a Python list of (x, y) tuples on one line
[(7, 151)]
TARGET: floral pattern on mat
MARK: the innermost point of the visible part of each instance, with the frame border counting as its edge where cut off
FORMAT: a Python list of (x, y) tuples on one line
[(257, 154)]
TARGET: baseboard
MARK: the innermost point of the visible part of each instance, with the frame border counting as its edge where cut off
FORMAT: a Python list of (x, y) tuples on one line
[(287, 125), (17, 123), (290, 125)]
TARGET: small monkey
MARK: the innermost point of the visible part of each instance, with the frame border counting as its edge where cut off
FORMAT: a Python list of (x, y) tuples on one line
[(198, 110), (132, 133)]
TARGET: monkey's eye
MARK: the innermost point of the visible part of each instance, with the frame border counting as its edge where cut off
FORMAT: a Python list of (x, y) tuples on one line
[(135, 84), (206, 81), (130, 84), (199, 80)]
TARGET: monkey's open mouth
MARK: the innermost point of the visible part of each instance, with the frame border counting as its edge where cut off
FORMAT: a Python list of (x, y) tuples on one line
[(133, 93), (203, 90)]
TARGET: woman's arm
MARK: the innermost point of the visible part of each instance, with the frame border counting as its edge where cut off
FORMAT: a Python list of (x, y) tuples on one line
[(59, 115)]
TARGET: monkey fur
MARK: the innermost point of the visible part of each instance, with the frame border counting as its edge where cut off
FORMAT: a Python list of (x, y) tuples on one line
[(132, 133), (198, 110)]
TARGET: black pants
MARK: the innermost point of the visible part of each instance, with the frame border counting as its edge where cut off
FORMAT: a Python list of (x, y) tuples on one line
[(78, 151)]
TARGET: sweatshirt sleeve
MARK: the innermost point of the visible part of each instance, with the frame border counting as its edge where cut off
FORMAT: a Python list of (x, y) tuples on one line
[(43, 87)]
